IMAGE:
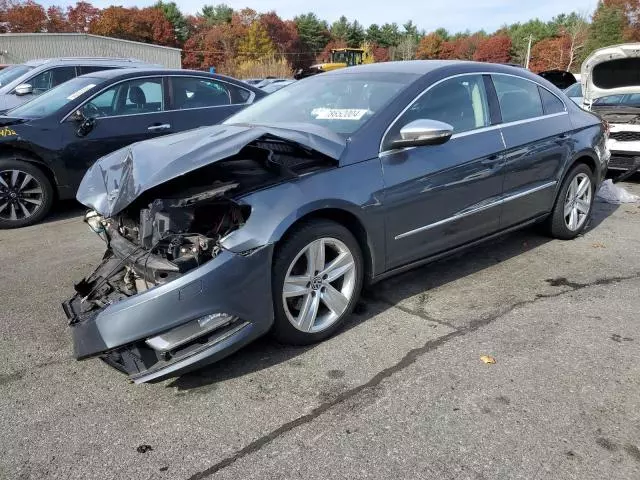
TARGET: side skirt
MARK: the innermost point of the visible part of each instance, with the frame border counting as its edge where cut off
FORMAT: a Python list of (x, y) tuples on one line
[(453, 251)]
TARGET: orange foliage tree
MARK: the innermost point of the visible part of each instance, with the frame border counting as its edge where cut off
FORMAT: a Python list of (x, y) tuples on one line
[(429, 46), (496, 49), (25, 17), (551, 54)]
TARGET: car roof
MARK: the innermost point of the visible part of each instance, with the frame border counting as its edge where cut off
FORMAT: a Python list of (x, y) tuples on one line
[(442, 68), (85, 61), (127, 72), (422, 67), (123, 73)]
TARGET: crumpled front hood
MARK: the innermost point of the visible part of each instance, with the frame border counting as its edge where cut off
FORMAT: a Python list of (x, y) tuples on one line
[(611, 70), (117, 179)]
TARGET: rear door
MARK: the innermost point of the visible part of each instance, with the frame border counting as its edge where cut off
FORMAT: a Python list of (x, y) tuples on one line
[(442, 196), (535, 127), (197, 101), (126, 112)]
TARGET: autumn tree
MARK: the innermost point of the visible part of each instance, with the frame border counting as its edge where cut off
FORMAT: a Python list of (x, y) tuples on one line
[(495, 49), (429, 46), (57, 20), (284, 36), (256, 43), (81, 16), (147, 25), (551, 54), (25, 17)]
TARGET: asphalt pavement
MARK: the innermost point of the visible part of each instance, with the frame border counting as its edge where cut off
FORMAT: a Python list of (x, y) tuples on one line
[(401, 392)]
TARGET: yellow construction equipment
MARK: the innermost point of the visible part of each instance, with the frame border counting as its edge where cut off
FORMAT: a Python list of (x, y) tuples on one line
[(340, 58)]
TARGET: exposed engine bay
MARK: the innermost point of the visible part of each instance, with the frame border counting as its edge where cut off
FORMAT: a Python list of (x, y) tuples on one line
[(629, 116), (177, 226)]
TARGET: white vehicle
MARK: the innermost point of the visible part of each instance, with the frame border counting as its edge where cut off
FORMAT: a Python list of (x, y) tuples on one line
[(611, 88)]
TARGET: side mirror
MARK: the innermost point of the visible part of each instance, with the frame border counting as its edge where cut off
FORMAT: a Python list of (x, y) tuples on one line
[(423, 132), (87, 124), (24, 89)]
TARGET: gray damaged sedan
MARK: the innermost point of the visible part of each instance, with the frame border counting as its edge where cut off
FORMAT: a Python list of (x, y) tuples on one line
[(274, 220)]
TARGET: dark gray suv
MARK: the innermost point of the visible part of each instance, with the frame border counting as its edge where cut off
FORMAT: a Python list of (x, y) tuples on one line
[(21, 83)]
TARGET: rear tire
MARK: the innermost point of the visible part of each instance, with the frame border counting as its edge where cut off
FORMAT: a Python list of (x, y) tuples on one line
[(316, 282), (574, 204), (26, 194)]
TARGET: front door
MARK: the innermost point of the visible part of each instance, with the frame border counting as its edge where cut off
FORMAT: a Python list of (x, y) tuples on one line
[(443, 196), (125, 113)]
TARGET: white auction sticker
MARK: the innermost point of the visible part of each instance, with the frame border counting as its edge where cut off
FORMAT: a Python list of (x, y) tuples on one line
[(338, 113), (76, 94)]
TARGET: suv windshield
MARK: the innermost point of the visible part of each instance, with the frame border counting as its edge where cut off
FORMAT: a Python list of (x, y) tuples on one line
[(53, 100), (9, 74), (341, 103), (621, 100)]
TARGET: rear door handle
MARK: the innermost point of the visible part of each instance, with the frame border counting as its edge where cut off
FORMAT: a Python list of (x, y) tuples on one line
[(156, 128)]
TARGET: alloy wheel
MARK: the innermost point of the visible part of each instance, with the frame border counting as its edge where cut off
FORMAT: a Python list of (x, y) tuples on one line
[(319, 285), (577, 202), (20, 195)]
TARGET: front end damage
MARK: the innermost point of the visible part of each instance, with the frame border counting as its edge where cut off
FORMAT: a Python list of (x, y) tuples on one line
[(168, 296)]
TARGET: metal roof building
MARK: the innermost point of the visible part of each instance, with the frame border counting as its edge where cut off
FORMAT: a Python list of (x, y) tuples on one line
[(21, 47)]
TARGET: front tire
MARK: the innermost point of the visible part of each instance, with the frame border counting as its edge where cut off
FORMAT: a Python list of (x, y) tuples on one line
[(26, 194), (316, 282), (574, 204)]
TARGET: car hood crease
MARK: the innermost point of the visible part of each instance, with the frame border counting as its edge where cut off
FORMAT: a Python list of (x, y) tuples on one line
[(117, 179)]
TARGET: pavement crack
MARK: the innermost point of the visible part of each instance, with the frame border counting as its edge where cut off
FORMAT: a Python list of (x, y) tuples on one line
[(410, 357), (410, 311)]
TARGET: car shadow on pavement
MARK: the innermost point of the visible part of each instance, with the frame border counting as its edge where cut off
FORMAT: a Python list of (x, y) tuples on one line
[(265, 352), (65, 210)]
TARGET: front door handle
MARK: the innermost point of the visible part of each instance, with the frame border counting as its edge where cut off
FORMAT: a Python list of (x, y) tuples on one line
[(157, 128)]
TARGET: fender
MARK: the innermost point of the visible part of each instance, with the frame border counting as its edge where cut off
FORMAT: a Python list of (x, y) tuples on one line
[(275, 210)]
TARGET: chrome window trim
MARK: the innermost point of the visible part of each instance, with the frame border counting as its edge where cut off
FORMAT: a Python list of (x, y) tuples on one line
[(248, 102), (498, 126), (476, 130), (466, 213)]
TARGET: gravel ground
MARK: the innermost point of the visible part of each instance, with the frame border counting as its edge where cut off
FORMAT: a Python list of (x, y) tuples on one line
[(400, 392)]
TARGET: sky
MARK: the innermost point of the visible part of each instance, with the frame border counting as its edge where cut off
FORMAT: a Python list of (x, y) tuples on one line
[(426, 14)]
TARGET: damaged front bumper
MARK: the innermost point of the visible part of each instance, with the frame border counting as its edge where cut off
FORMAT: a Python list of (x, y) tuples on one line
[(170, 328)]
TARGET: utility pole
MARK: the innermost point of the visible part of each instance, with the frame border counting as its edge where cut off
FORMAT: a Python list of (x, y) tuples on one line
[(526, 64)]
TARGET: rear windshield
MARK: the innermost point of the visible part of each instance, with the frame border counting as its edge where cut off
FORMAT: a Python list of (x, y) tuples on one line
[(56, 98), (623, 72), (9, 74)]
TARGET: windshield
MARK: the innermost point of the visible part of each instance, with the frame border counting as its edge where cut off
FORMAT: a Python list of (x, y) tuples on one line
[(574, 90), (341, 103), (628, 100), (9, 74), (53, 100)]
